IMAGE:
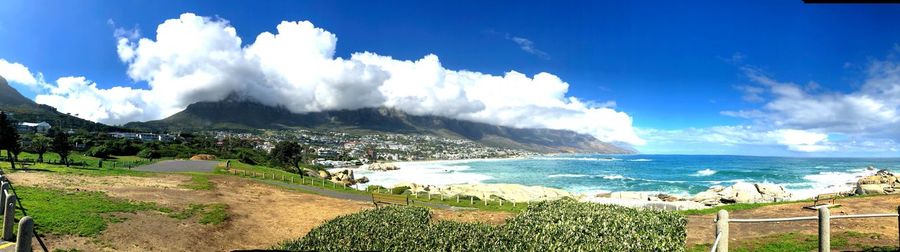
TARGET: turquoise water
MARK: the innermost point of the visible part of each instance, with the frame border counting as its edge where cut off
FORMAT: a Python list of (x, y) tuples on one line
[(673, 174)]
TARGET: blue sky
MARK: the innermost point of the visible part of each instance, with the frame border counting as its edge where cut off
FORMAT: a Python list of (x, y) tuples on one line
[(671, 66)]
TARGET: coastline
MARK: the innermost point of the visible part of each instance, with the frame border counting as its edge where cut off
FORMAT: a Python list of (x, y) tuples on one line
[(445, 173)]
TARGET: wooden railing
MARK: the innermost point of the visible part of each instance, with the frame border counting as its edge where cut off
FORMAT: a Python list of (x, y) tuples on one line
[(26, 224), (824, 219)]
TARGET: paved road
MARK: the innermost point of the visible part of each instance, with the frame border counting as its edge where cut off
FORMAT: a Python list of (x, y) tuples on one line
[(180, 166)]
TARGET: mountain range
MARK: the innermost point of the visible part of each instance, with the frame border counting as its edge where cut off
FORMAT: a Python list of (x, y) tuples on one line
[(238, 114), (23, 109), (245, 115)]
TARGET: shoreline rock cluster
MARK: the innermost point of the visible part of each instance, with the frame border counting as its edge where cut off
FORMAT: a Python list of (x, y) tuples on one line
[(344, 177), (507, 192), (742, 193), (380, 167), (882, 182)]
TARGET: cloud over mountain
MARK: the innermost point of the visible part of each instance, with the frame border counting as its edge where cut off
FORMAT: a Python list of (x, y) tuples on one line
[(195, 58)]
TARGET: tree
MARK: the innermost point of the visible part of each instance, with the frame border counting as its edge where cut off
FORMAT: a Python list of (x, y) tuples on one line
[(9, 139), (287, 154), (40, 144), (62, 147)]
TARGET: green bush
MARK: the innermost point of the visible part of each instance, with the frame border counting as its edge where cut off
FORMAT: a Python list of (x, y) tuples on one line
[(399, 189), (149, 154), (562, 225), (373, 188), (101, 151)]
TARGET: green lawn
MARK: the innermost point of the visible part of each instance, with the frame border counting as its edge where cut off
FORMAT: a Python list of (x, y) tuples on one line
[(199, 182), (74, 213), (208, 214)]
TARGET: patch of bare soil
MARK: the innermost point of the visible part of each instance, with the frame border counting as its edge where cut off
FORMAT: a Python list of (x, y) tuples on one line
[(701, 227), (259, 215)]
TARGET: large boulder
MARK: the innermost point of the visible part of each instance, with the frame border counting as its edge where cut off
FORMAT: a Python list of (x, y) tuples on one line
[(742, 193), (746, 193), (871, 189), (772, 191), (883, 182), (324, 174), (381, 167)]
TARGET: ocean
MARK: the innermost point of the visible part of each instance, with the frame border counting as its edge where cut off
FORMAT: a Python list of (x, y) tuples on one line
[(681, 175)]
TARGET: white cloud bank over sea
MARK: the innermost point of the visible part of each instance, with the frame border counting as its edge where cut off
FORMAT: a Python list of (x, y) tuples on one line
[(195, 59)]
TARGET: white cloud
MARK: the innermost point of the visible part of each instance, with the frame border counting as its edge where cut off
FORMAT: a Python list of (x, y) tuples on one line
[(802, 141), (528, 46), (741, 136), (18, 73), (196, 58)]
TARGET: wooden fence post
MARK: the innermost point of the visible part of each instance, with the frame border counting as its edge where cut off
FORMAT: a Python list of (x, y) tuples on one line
[(26, 231), (898, 221), (457, 198), (722, 230), (471, 200), (824, 229)]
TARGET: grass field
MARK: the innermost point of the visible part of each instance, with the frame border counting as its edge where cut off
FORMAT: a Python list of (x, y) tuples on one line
[(199, 182), (74, 213), (213, 214)]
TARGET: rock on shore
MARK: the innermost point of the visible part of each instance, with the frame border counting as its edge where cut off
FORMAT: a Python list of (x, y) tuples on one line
[(883, 182), (645, 200), (381, 167), (742, 193), (509, 192)]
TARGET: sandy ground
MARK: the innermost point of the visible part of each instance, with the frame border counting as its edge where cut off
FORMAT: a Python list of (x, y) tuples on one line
[(701, 228), (260, 215)]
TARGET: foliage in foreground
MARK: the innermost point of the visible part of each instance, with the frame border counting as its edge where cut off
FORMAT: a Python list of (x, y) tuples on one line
[(73, 213), (562, 225)]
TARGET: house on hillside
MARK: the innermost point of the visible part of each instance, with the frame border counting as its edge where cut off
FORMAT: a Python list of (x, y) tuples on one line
[(30, 128)]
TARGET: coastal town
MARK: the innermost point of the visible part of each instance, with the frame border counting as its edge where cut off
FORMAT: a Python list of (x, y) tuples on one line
[(342, 149)]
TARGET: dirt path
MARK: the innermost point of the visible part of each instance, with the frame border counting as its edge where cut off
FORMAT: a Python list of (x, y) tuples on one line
[(701, 227), (260, 215)]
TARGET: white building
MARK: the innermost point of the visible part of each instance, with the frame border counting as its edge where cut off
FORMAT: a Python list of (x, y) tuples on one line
[(27, 127)]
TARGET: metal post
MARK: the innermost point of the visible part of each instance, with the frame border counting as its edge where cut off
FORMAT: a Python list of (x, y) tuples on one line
[(824, 229), (898, 221), (4, 187), (722, 230), (26, 232), (9, 217)]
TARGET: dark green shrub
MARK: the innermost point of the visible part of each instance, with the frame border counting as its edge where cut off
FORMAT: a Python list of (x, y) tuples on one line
[(149, 154), (382, 229), (562, 225), (571, 225), (374, 188), (101, 151), (399, 189)]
